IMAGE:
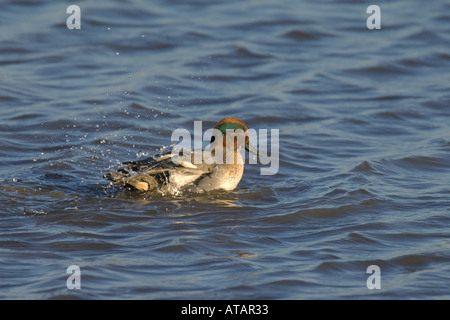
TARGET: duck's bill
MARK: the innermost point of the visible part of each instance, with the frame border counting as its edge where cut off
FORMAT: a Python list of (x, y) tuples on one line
[(250, 148)]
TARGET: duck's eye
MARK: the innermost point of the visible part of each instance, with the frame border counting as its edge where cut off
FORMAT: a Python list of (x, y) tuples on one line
[(213, 138)]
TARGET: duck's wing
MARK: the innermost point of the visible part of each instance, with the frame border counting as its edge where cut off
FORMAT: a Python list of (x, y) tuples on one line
[(149, 173), (155, 161)]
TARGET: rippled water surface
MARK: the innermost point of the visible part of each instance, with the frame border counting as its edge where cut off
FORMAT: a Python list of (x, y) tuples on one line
[(364, 169)]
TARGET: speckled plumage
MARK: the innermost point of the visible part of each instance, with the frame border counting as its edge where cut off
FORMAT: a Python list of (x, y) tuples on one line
[(169, 171)]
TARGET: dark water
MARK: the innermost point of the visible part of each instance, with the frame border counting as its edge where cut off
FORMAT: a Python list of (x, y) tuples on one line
[(364, 172)]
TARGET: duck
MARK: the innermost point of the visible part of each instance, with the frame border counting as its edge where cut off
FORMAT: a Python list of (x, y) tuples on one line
[(220, 168)]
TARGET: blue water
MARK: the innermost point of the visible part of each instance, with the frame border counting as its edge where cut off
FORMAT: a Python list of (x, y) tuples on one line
[(364, 165)]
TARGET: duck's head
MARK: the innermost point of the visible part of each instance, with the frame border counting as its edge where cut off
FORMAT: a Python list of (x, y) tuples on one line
[(234, 132)]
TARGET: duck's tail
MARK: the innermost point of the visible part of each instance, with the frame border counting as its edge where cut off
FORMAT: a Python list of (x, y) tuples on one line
[(141, 182)]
